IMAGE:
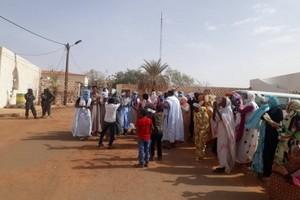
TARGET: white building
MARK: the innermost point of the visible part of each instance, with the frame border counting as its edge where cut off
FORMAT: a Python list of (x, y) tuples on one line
[(16, 76), (288, 83)]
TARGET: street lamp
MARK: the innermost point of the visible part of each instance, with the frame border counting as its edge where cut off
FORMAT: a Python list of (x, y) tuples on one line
[(67, 70)]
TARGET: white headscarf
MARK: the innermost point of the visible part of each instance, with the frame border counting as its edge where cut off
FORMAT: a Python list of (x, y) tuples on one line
[(250, 98), (153, 97), (104, 93)]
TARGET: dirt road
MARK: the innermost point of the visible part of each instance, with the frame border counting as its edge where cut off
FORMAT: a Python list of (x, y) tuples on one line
[(41, 160)]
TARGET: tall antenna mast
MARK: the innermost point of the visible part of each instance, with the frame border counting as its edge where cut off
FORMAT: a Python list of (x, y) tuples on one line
[(161, 27)]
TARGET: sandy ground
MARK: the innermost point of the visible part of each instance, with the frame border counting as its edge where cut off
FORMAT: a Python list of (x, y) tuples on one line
[(41, 160)]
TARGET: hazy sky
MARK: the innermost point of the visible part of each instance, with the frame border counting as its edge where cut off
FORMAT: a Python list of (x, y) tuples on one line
[(223, 42)]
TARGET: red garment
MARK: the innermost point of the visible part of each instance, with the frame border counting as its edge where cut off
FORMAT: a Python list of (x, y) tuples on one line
[(144, 126)]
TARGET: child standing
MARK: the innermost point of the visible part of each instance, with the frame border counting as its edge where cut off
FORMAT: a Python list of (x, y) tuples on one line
[(144, 126), (157, 132)]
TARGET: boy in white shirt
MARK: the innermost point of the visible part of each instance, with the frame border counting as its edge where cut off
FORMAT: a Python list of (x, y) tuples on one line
[(109, 122)]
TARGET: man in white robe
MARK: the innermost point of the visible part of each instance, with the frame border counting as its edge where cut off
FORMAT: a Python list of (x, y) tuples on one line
[(173, 122), (82, 124)]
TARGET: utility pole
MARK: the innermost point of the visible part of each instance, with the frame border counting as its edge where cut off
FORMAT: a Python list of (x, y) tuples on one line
[(66, 74), (160, 46), (68, 47)]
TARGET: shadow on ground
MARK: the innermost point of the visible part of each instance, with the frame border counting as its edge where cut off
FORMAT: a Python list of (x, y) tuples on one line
[(178, 161), (224, 195)]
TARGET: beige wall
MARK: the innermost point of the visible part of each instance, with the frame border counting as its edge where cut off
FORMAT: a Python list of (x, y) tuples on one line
[(25, 74), (286, 83), (75, 82), (130, 87), (58, 90), (79, 78)]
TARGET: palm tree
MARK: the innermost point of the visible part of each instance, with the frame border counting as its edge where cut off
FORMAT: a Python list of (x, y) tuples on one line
[(153, 79)]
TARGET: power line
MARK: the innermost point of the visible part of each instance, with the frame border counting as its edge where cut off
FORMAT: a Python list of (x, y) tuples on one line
[(40, 53), (31, 31), (76, 64), (60, 61), (56, 67)]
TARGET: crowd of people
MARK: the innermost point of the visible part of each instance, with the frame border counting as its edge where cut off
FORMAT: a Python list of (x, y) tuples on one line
[(238, 130), (105, 113)]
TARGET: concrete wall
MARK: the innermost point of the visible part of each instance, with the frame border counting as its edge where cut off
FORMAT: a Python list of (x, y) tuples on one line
[(57, 90), (55, 81), (16, 76), (260, 85), (286, 83)]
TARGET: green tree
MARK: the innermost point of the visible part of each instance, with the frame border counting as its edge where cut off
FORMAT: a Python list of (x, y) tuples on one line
[(131, 76), (177, 78), (153, 78), (96, 78)]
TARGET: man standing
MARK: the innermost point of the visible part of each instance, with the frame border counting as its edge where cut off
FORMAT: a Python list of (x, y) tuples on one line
[(134, 106), (117, 99), (125, 101), (82, 123), (46, 100), (29, 105), (103, 100), (109, 122), (173, 123), (95, 110)]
